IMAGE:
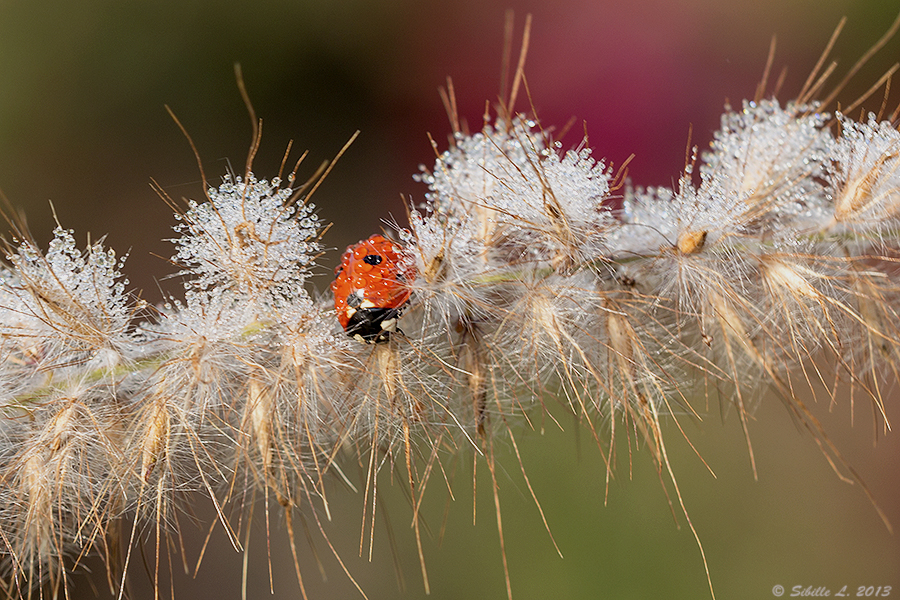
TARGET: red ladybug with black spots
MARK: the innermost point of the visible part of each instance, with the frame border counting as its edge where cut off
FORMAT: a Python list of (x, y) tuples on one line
[(371, 288)]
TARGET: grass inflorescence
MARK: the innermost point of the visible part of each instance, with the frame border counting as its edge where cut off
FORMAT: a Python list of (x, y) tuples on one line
[(546, 284)]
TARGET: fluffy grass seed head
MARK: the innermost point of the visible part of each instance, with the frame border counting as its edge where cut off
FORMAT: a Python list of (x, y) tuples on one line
[(865, 176), (507, 196), (249, 237), (67, 354)]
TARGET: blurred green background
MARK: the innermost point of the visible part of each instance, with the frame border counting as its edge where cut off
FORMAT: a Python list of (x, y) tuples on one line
[(82, 124)]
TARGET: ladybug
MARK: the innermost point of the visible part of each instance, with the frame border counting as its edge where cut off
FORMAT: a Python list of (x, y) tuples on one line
[(371, 288)]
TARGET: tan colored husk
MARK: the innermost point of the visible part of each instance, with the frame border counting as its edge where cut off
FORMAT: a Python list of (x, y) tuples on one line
[(258, 415), (793, 278), (691, 242), (857, 197), (155, 441)]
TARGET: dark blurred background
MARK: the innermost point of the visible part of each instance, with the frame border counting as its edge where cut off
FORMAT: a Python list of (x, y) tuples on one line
[(82, 125)]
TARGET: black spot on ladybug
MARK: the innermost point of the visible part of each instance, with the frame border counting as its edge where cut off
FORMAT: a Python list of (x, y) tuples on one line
[(372, 259)]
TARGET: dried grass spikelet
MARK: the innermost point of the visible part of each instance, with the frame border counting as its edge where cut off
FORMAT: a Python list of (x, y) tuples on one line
[(879, 330), (332, 382), (540, 314), (732, 327), (259, 408), (766, 156), (65, 315), (433, 267), (734, 334), (792, 278), (306, 400), (621, 337), (385, 396), (873, 292), (179, 426), (567, 242), (404, 406), (540, 338), (308, 370), (154, 436), (474, 362), (66, 482), (808, 314), (865, 176), (863, 192), (557, 324), (388, 367), (60, 427), (31, 537), (35, 484), (633, 377), (691, 242)]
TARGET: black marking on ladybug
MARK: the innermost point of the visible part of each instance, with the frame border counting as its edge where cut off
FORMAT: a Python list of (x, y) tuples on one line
[(373, 325), (372, 259)]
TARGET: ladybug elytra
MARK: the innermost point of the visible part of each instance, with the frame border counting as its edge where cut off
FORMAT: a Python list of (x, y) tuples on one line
[(371, 288)]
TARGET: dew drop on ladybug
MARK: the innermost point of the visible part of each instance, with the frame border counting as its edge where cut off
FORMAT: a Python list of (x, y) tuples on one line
[(371, 288)]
